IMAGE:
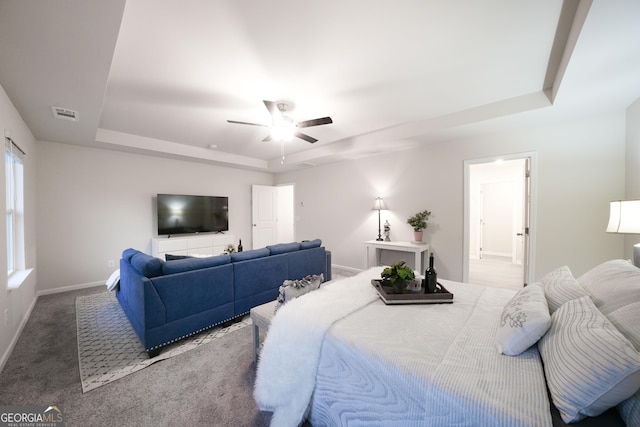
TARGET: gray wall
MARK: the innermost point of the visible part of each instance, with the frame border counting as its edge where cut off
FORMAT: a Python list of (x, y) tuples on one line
[(18, 302), (580, 168), (632, 170), (94, 203)]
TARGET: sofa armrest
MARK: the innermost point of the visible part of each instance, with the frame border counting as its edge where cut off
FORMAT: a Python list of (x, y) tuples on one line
[(139, 299), (327, 274)]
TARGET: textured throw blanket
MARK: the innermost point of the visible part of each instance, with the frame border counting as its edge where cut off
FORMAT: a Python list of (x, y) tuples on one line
[(289, 358)]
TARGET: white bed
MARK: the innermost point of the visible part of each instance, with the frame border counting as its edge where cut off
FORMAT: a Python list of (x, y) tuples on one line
[(340, 356)]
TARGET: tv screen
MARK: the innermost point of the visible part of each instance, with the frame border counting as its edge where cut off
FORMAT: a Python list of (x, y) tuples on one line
[(183, 214)]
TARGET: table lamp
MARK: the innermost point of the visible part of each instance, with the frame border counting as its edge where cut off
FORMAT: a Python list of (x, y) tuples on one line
[(624, 217), (379, 205)]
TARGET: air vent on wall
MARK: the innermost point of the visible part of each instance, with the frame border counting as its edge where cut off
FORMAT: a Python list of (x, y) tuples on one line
[(65, 114)]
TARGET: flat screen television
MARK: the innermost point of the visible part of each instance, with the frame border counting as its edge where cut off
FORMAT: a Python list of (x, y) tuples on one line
[(183, 214)]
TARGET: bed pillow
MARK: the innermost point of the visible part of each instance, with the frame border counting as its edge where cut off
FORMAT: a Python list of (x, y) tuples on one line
[(525, 318), (560, 286), (613, 285), (292, 289), (629, 410), (589, 365)]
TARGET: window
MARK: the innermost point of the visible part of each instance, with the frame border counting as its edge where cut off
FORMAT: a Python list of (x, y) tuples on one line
[(15, 206)]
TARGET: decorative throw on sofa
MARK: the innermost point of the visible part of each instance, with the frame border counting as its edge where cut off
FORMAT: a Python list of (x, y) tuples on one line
[(291, 289)]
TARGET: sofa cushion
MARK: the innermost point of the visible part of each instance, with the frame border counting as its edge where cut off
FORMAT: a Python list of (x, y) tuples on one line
[(247, 255), (146, 264), (191, 263), (283, 248), (309, 244), (169, 257)]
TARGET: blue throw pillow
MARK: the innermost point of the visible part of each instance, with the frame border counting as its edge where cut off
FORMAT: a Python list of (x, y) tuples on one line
[(192, 263), (309, 244), (283, 248), (252, 254), (128, 253), (147, 265), (169, 257)]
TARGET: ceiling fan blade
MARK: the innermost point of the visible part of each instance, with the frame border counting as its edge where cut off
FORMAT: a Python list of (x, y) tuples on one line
[(247, 123), (267, 138), (273, 108), (315, 122), (305, 137)]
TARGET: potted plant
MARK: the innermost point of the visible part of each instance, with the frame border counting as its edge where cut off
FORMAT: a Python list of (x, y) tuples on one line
[(398, 275), (419, 223)]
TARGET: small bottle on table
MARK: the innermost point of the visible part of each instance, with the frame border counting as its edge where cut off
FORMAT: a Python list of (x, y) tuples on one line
[(430, 277)]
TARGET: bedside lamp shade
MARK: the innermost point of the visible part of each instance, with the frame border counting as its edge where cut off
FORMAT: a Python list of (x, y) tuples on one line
[(378, 205), (624, 217)]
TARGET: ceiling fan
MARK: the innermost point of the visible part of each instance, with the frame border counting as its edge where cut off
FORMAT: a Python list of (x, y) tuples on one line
[(283, 127)]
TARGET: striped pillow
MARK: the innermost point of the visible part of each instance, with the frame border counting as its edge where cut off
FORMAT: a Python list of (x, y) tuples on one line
[(560, 286), (589, 365)]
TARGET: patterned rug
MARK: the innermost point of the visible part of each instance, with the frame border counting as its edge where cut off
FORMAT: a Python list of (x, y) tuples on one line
[(108, 347)]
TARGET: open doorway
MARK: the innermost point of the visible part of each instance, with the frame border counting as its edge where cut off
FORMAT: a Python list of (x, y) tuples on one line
[(498, 221)]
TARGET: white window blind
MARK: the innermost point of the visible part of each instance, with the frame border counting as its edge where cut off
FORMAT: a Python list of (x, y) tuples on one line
[(14, 205)]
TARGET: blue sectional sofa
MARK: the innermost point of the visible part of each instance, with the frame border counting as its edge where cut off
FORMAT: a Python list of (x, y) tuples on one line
[(169, 300)]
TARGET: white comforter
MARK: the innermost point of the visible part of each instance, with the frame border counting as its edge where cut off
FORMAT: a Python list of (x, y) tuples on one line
[(289, 358), (433, 365)]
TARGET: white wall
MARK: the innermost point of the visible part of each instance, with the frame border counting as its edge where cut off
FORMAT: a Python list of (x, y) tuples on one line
[(93, 203), (580, 168), (509, 173), (19, 301), (632, 189)]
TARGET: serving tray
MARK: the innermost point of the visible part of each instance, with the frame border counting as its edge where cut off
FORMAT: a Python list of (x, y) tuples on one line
[(389, 297)]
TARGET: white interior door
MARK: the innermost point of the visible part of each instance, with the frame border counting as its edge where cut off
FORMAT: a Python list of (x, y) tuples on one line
[(264, 204), (272, 215)]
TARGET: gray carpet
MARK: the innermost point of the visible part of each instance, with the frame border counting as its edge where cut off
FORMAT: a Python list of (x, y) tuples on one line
[(209, 386), (109, 349)]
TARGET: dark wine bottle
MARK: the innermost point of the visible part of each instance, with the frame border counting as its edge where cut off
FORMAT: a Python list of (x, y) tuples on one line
[(240, 246), (431, 277)]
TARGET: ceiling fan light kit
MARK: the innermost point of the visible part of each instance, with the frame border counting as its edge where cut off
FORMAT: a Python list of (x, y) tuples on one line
[(283, 127)]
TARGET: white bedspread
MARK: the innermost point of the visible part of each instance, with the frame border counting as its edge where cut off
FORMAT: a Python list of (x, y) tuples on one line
[(364, 363), (428, 365), (289, 357)]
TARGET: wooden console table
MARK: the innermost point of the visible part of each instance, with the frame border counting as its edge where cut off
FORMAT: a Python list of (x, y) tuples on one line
[(416, 248)]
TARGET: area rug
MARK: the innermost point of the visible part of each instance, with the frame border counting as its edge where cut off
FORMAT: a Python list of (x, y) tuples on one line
[(109, 349)]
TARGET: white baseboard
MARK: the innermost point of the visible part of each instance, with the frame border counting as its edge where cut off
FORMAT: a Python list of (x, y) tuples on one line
[(502, 254), (27, 315), (344, 270), (16, 336), (70, 288)]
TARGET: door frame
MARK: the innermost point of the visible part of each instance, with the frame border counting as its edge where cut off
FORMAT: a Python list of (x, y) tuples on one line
[(528, 267)]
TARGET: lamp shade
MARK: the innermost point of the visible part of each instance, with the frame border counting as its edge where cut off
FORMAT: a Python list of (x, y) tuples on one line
[(624, 217), (379, 205)]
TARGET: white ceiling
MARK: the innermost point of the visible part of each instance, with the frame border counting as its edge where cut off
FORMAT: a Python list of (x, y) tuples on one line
[(163, 76)]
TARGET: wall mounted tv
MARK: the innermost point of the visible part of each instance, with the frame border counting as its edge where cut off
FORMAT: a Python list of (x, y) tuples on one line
[(183, 214)]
